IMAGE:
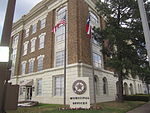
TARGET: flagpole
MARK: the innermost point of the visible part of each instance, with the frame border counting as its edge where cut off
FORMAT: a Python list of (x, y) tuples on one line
[(90, 35), (94, 90), (65, 67)]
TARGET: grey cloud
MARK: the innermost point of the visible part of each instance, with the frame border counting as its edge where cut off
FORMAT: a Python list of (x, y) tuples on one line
[(23, 7)]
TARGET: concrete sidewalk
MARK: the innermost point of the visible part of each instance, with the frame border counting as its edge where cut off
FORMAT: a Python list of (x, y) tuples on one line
[(142, 109)]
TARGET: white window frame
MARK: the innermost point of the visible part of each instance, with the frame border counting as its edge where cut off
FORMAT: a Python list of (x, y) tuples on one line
[(25, 47), (98, 63), (34, 28), (105, 86), (21, 90), (59, 85), (60, 33), (42, 40), (27, 32), (31, 65), (42, 23), (33, 43), (14, 53), (94, 18), (15, 41), (23, 67), (95, 22), (59, 58), (39, 87), (40, 62), (61, 13), (96, 80)]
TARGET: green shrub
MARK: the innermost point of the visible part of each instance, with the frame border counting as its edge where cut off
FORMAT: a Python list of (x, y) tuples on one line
[(136, 98)]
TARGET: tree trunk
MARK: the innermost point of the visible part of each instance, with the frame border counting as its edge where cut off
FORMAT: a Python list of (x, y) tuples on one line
[(147, 85), (120, 83)]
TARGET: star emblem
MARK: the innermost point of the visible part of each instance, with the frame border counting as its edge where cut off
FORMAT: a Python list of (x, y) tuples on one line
[(79, 87)]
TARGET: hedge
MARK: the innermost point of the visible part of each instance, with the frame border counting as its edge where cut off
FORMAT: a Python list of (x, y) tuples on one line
[(136, 98)]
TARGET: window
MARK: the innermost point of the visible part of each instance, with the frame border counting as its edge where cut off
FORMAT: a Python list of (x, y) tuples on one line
[(40, 62), (23, 67), (15, 41), (60, 33), (27, 32), (20, 90), (25, 48), (60, 58), (31, 65), (41, 40), (33, 44), (43, 23), (34, 28), (131, 89), (61, 13), (59, 86), (97, 60), (94, 41), (94, 19), (13, 57), (39, 87), (105, 86), (96, 81), (12, 71)]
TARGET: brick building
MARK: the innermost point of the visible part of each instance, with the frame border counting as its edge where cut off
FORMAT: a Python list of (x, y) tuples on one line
[(38, 54)]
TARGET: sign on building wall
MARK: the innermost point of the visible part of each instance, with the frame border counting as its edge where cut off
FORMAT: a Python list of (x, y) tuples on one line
[(80, 95)]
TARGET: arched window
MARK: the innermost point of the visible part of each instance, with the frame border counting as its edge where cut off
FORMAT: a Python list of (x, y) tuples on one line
[(61, 13), (60, 32), (94, 22), (138, 88), (96, 81), (105, 86), (126, 90), (94, 19), (131, 89)]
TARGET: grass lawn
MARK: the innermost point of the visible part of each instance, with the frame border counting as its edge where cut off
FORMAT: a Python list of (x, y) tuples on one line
[(108, 107)]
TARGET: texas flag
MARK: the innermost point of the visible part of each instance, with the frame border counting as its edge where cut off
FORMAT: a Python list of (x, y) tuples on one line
[(61, 22), (88, 27)]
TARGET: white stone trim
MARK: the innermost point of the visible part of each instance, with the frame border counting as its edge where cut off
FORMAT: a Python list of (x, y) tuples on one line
[(23, 62), (42, 34), (33, 39), (31, 60), (27, 42), (41, 56)]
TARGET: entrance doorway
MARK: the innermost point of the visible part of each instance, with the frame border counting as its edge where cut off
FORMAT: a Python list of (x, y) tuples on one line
[(28, 92)]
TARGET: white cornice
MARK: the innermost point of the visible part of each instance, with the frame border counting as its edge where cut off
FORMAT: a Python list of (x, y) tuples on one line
[(17, 30), (91, 4), (56, 4)]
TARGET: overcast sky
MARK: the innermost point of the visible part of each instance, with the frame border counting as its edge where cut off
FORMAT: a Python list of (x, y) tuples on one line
[(22, 7)]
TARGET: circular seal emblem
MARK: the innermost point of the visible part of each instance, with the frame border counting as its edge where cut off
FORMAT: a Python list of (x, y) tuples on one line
[(79, 87)]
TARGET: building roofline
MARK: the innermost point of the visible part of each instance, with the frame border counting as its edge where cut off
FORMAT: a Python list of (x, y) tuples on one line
[(37, 8)]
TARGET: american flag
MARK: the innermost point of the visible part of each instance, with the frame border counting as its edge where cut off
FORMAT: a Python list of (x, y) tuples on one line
[(61, 22), (88, 27)]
